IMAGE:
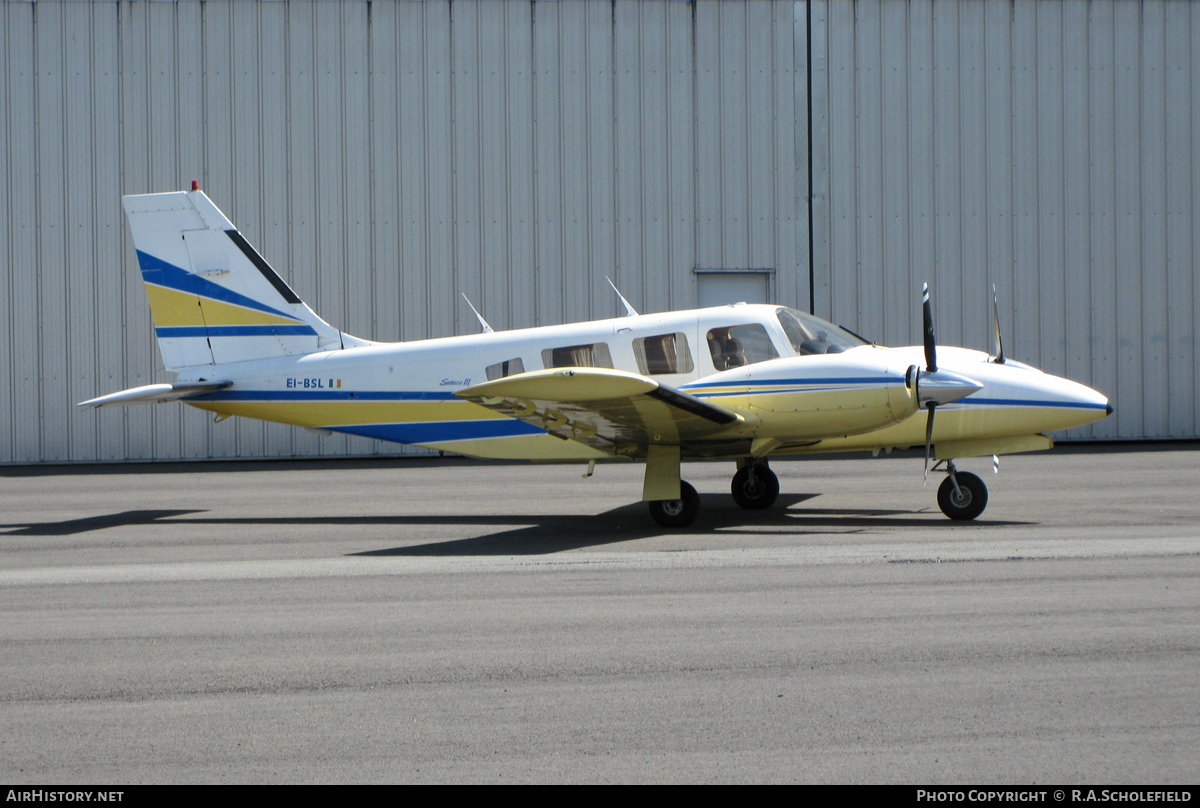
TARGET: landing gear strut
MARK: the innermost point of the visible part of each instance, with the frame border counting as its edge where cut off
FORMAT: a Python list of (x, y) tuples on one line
[(676, 512), (961, 496), (755, 486)]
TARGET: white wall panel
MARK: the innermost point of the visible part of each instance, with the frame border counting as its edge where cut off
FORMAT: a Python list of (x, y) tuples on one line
[(999, 156), (468, 99), (565, 101), (921, 223), (969, 310), (733, 155), (6, 359), (1179, 148), (868, 161), (708, 136), (1102, 198), (1130, 416), (16, 182), (109, 348), (51, 211), (411, 167), (789, 71), (840, 285), (761, 139), (894, 193), (818, 78), (549, 227), (628, 114), (79, 235), (600, 126), (1076, 304), (492, 192), (517, 286), (649, 181)]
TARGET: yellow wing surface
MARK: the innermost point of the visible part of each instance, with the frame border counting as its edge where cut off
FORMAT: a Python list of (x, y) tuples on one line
[(613, 411)]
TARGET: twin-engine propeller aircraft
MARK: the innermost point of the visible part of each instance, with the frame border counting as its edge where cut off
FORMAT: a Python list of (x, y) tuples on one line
[(745, 382)]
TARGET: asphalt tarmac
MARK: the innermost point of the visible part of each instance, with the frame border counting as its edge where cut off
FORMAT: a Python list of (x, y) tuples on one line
[(429, 620)]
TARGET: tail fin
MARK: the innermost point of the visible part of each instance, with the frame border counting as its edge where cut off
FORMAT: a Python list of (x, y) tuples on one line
[(213, 298)]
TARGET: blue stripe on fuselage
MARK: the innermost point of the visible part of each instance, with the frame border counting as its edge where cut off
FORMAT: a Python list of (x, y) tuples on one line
[(327, 395), (1024, 402), (441, 431), (847, 380), (811, 389)]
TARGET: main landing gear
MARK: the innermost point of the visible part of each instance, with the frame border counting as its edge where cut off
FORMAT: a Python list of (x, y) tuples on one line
[(676, 512), (755, 486), (961, 496)]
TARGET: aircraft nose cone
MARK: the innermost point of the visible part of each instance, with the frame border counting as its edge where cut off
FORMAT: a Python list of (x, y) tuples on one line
[(1048, 402)]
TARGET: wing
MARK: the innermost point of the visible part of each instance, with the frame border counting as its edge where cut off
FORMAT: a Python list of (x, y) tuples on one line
[(610, 410)]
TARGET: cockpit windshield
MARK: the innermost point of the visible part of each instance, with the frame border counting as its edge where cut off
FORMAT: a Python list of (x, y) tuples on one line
[(812, 335)]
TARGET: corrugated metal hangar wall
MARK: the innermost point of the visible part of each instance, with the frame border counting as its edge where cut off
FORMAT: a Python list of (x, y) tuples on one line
[(385, 156)]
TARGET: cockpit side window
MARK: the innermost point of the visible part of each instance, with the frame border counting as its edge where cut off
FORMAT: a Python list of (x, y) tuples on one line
[(812, 335), (737, 345)]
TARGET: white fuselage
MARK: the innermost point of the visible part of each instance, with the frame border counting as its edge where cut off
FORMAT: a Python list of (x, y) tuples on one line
[(854, 398)]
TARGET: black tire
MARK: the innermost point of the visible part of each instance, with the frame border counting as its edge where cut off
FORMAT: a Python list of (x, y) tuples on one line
[(971, 502), (759, 495), (676, 512)]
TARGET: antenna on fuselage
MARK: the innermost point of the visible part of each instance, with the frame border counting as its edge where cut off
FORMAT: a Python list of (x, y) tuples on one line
[(630, 311), (487, 329), (997, 341)]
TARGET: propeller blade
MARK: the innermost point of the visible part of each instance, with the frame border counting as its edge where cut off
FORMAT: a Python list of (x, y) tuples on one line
[(999, 344), (930, 341), (931, 406)]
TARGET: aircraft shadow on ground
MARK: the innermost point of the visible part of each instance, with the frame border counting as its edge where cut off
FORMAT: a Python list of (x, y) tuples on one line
[(718, 514), (70, 527), (524, 534)]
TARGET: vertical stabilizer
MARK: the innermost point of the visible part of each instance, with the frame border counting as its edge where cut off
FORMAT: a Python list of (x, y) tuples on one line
[(214, 299)]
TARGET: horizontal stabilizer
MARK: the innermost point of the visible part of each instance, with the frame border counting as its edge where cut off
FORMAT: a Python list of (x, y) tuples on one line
[(154, 394)]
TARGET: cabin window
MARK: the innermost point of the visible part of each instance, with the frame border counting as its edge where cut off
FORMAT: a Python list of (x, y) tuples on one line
[(509, 367), (737, 345), (665, 353), (578, 356)]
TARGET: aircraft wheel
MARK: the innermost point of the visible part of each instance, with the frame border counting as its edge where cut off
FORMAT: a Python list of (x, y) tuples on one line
[(677, 512), (760, 494), (971, 500)]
